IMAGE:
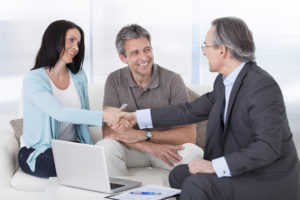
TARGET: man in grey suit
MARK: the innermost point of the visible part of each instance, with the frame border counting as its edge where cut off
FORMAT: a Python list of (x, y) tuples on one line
[(249, 151)]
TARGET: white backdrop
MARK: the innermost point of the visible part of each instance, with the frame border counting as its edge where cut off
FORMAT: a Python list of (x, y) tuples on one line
[(177, 28)]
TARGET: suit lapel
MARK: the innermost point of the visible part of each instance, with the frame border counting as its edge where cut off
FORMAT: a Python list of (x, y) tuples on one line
[(236, 86)]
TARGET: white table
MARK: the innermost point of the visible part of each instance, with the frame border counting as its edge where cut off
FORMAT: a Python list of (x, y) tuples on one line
[(55, 191)]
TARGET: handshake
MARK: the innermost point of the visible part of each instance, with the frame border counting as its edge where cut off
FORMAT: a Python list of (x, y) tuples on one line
[(118, 119)]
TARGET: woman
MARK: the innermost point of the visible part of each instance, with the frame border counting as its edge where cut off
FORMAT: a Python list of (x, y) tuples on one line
[(55, 97)]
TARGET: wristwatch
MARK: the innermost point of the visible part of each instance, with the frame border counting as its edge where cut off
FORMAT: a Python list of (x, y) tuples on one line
[(148, 135)]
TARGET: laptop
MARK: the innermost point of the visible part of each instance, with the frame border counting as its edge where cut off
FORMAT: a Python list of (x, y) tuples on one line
[(84, 166)]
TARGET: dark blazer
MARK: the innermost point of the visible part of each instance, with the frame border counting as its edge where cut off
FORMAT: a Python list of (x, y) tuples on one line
[(256, 140)]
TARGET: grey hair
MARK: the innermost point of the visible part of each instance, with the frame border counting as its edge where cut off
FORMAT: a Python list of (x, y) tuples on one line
[(130, 32), (234, 34)]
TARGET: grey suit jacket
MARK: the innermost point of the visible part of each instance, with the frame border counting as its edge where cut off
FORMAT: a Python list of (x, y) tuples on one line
[(256, 141)]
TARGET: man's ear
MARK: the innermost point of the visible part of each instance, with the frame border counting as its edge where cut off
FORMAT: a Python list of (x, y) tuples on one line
[(223, 50), (123, 58)]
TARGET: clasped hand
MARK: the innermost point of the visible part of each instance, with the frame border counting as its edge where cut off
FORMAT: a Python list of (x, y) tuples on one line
[(117, 120), (124, 133), (123, 130)]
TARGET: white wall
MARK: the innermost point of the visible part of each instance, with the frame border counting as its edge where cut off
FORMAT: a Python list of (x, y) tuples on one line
[(177, 28), (22, 24), (168, 22)]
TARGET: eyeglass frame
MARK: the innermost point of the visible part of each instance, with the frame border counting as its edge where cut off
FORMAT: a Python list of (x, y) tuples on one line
[(203, 46)]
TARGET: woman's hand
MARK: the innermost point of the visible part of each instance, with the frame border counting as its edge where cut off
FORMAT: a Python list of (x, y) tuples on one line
[(117, 120), (110, 115)]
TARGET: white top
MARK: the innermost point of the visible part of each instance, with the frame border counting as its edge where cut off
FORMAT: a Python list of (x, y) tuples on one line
[(67, 98)]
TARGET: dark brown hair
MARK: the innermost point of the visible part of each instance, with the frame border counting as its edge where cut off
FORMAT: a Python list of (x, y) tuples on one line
[(53, 43)]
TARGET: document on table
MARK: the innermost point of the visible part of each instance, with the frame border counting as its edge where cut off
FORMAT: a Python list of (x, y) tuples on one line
[(147, 192)]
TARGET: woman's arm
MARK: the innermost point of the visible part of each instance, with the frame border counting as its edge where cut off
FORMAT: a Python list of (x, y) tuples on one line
[(39, 92)]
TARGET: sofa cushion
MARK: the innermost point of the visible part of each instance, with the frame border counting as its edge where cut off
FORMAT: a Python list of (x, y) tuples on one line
[(200, 126), (17, 125), (23, 181), (9, 147)]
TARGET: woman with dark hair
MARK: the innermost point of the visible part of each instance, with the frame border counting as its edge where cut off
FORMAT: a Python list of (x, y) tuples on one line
[(55, 99)]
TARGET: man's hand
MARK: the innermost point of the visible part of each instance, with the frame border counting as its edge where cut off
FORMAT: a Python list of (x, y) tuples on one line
[(123, 125), (201, 166), (129, 116), (166, 153), (129, 136)]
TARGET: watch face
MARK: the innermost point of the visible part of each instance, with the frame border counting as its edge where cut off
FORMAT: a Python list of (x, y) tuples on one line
[(148, 135)]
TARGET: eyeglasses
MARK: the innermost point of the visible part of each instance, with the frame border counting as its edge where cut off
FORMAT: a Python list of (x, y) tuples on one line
[(203, 46)]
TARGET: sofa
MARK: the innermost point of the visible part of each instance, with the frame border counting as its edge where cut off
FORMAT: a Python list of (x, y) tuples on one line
[(15, 184)]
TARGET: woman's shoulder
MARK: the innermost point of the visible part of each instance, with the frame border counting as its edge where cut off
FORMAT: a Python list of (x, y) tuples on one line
[(36, 79), (36, 74), (38, 71)]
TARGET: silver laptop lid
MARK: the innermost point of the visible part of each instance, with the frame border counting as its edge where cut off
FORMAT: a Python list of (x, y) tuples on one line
[(81, 165)]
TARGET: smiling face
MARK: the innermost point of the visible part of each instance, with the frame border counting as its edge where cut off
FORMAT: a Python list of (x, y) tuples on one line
[(139, 56), (72, 42)]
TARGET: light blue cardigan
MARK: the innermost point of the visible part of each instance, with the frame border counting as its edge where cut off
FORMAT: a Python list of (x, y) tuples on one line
[(42, 112)]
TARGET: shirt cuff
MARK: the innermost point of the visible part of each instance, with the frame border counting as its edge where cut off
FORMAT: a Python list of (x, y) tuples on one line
[(144, 118), (221, 168)]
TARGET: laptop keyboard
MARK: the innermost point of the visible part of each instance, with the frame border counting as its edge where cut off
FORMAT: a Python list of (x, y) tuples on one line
[(115, 185)]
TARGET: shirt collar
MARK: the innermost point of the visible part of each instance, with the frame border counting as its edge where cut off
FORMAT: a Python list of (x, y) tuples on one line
[(154, 80), (227, 80)]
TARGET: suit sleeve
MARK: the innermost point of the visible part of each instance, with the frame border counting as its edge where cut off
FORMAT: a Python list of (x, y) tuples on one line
[(184, 113), (266, 113), (189, 112)]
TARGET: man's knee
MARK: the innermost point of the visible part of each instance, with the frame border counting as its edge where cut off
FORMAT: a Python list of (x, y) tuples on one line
[(207, 186), (107, 143), (111, 146), (114, 153), (196, 179), (190, 152), (178, 175), (195, 187)]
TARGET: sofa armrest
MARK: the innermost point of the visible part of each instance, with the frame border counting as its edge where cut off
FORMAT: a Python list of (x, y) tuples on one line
[(9, 148)]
